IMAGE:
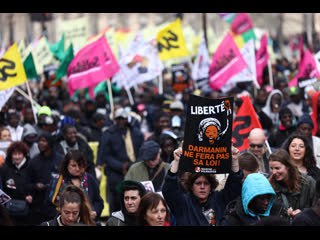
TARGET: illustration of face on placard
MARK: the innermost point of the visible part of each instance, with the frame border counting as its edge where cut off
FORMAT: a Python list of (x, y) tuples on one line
[(210, 130)]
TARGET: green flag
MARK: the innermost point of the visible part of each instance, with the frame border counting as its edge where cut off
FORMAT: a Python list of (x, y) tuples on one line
[(62, 70), (29, 67), (249, 35), (58, 48)]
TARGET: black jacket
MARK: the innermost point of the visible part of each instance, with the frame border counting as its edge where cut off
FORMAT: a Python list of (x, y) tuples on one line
[(87, 152), (14, 179), (112, 152)]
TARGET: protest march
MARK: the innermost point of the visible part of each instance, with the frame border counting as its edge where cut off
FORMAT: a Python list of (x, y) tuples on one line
[(156, 128)]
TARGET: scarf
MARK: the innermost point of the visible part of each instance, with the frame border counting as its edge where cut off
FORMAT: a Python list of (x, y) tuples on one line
[(129, 146), (63, 182)]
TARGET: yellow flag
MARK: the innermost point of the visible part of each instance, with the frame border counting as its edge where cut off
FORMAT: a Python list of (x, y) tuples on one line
[(12, 72), (171, 43)]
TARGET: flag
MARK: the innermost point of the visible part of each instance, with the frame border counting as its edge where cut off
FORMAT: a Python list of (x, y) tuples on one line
[(29, 67), (140, 63), (227, 17), (226, 62), (301, 48), (65, 62), (247, 74), (93, 64), (171, 43), (307, 68), (262, 57), (200, 69), (57, 48), (245, 120), (241, 23), (12, 70)]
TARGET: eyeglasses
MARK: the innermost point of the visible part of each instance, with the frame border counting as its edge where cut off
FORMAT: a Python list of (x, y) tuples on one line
[(256, 145)]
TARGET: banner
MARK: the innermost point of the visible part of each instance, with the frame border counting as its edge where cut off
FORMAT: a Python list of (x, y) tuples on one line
[(29, 67), (243, 123), (208, 132), (226, 62), (171, 43), (42, 54), (241, 23), (93, 64), (307, 69), (247, 74), (262, 57), (12, 72), (75, 31)]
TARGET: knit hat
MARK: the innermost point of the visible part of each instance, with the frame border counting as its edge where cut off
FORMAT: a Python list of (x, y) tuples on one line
[(149, 150), (44, 110), (305, 118)]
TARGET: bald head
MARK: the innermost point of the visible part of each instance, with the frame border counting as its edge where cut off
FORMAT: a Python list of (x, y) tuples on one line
[(256, 133), (256, 141)]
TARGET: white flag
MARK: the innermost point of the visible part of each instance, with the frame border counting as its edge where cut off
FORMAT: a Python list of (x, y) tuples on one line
[(140, 63), (249, 73), (201, 65), (5, 95)]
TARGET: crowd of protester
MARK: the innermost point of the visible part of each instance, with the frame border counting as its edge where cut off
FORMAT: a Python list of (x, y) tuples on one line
[(52, 175)]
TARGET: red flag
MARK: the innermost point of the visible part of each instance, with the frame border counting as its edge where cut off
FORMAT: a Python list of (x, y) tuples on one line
[(243, 123), (314, 114), (262, 57), (241, 23)]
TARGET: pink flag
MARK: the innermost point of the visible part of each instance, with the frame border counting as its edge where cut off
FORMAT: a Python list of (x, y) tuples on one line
[(301, 48), (93, 64), (226, 62), (262, 57), (307, 68), (241, 23)]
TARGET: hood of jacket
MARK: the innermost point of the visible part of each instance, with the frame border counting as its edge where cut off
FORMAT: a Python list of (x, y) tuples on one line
[(267, 107), (256, 184), (28, 129)]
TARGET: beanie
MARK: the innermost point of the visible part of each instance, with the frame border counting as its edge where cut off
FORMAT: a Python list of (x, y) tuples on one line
[(305, 118), (44, 110)]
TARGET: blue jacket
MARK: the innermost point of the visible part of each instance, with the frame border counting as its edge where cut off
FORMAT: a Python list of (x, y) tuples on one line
[(254, 185), (238, 212), (187, 208)]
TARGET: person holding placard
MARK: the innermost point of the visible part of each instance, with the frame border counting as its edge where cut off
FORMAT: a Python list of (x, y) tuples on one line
[(202, 206)]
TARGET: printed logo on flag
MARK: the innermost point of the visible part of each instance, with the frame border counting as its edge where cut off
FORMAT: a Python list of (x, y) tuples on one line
[(171, 42)]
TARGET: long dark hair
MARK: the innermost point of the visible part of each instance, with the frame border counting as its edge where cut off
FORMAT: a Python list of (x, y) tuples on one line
[(308, 160), (282, 156), (75, 155)]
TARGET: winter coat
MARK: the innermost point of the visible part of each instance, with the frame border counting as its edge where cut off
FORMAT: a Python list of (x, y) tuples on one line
[(139, 172), (112, 153), (187, 208), (42, 169), (274, 116), (93, 193), (300, 199), (238, 212), (14, 179), (307, 217)]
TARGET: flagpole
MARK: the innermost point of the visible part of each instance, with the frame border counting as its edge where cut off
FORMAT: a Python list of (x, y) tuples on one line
[(270, 73), (129, 96), (32, 106), (160, 84), (27, 97), (110, 94)]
